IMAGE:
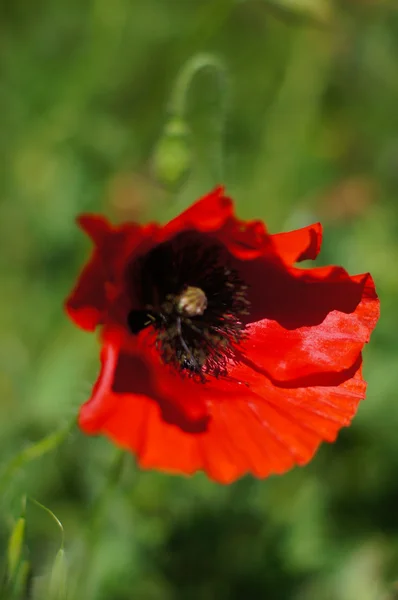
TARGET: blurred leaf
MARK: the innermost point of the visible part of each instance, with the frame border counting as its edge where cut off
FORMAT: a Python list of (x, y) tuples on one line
[(22, 584), (317, 10), (286, 127), (57, 583), (58, 579), (15, 546)]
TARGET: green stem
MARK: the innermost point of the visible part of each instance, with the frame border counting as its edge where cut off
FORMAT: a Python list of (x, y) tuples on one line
[(94, 525), (179, 100), (199, 62), (33, 452), (100, 505)]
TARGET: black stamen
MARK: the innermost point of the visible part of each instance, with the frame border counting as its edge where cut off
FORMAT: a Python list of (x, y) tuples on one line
[(138, 320), (194, 300)]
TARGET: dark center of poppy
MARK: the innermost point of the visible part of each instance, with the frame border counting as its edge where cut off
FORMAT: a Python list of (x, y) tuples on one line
[(195, 301)]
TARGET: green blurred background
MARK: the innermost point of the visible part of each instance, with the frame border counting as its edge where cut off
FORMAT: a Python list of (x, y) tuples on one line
[(297, 113)]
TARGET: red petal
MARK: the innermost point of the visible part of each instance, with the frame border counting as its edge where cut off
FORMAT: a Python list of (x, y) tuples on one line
[(140, 373), (214, 214), (318, 323), (87, 301), (301, 244), (303, 297), (261, 429), (96, 226), (88, 304), (207, 214), (246, 240), (156, 443), (275, 428), (281, 427)]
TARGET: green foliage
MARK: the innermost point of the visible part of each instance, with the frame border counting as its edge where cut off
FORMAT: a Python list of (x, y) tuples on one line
[(308, 132), (15, 546), (58, 580)]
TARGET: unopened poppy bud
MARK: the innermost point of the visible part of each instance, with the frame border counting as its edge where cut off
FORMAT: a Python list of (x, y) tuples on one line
[(172, 157)]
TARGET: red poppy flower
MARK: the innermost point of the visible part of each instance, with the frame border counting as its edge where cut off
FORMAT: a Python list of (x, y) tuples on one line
[(218, 354)]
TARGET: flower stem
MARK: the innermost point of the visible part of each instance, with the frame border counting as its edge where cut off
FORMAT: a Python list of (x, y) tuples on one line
[(179, 96), (180, 101), (100, 505), (94, 525), (33, 452)]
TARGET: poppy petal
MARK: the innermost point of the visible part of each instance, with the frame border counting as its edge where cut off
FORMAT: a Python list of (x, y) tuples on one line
[(87, 301), (103, 273), (207, 214), (97, 227), (304, 297), (247, 240), (136, 421), (324, 347), (127, 374), (275, 428), (298, 245), (281, 427), (262, 429), (214, 214)]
